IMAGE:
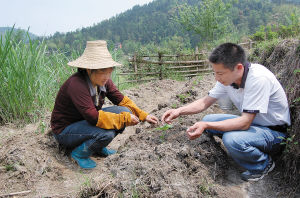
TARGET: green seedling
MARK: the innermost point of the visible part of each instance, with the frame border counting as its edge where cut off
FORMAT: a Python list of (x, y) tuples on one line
[(164, 128), (9, 167), (174, 106)]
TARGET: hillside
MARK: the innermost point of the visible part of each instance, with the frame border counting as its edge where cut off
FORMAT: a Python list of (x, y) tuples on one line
[(155, 23), (3, 30)]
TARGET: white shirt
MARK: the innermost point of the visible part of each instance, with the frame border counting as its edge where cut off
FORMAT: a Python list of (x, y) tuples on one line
[(262, 94)]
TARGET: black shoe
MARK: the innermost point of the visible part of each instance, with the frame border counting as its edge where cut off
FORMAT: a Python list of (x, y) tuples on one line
[(248, 176)]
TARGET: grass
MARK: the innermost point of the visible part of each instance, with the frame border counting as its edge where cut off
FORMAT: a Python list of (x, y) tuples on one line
[(30, 78)]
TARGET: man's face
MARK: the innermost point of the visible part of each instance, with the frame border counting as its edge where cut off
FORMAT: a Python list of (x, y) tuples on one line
[(224, 75)]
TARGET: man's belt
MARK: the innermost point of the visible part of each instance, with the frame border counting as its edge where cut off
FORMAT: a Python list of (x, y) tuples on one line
[(280, 128)]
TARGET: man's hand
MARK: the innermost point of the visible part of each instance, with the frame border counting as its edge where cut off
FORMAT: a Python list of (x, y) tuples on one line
[(196, 130), (169, 115), (152, 119), (134, 120)]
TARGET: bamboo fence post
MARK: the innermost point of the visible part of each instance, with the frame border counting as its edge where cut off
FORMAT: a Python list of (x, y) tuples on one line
[(160, 65), (135, 64)]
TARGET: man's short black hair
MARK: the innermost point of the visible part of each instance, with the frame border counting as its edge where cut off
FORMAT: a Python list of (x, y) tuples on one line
[(228, 54)]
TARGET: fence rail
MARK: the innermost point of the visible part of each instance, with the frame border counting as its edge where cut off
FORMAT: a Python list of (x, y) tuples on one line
[(155, 67)]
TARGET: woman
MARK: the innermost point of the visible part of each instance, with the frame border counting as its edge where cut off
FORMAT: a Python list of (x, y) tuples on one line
[(78, 120)]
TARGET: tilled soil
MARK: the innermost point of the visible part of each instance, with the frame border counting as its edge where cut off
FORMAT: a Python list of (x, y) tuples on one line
[(150, 162)]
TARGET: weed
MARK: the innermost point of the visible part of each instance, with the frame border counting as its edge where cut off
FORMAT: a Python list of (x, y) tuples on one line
[(288, 142), (41, 128), (174, 106), (29, 76), (205, 188), (134, 192), (87, 182), (182, 97), (296, 71), (9, 167)]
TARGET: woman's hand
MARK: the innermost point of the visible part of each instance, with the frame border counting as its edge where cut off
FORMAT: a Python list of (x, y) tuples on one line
[(152, 119), (134, 120)]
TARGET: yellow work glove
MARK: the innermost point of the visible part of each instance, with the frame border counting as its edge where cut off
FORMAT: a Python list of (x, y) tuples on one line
[(126, 102), (108, 120)]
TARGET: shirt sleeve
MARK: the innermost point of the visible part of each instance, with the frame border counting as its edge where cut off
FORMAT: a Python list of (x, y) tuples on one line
[(82, 100), (256, 96), (113, 94), (218, 91)]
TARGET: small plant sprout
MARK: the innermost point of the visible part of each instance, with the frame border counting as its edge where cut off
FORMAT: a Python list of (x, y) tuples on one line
[(174, 106), (164, 128)]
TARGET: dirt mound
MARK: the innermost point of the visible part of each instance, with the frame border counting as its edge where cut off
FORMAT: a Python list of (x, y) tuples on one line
[(283, 59)]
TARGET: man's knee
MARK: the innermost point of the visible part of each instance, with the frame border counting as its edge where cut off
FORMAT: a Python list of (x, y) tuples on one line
[(233, 141), (210, 118)]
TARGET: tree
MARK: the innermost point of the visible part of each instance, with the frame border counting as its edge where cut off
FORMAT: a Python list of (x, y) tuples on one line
[(210, 20)]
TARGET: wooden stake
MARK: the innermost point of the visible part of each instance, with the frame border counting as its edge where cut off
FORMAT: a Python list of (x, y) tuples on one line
[(16, 193)]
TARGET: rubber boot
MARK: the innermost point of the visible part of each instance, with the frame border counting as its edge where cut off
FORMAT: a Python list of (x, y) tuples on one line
[(106, 152), (81, 155)]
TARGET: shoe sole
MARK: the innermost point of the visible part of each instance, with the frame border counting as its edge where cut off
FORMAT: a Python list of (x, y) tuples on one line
[(256, 179)]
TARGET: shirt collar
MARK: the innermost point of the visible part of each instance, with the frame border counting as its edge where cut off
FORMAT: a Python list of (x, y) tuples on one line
[(245, 74)]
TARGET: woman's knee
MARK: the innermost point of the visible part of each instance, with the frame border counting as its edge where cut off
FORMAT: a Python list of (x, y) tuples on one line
[(107, 136), (116, 109), (124, 109)]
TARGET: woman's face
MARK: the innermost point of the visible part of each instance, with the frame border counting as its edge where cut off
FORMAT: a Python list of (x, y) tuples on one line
[(100, 76)]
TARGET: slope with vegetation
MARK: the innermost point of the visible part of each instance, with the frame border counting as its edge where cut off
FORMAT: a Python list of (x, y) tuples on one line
[(156, 24)]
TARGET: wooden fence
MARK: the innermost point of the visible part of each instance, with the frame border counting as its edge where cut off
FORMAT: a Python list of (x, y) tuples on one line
[(157, 67)]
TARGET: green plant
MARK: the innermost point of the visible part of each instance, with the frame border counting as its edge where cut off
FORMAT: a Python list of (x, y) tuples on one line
[(204, 188), (288, 142), (9, 167), (182, 97), (42, 127), (174, 106), (164, 128), (296, 100), (29, 76), (87, 181), (134, 192), (296, 71)]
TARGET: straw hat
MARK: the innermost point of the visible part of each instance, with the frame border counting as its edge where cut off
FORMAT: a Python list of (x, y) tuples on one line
[(95, 56)]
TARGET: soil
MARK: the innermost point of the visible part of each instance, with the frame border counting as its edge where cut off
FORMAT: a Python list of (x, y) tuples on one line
[(150, 162)]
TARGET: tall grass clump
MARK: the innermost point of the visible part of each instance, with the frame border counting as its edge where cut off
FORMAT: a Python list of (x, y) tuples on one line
[(29, 78)]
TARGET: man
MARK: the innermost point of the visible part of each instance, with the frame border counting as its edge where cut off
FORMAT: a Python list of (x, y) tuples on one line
[(257, 94)]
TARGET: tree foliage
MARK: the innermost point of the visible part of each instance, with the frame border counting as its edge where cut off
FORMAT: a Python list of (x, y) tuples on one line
[(210, 20), (153, 24)]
